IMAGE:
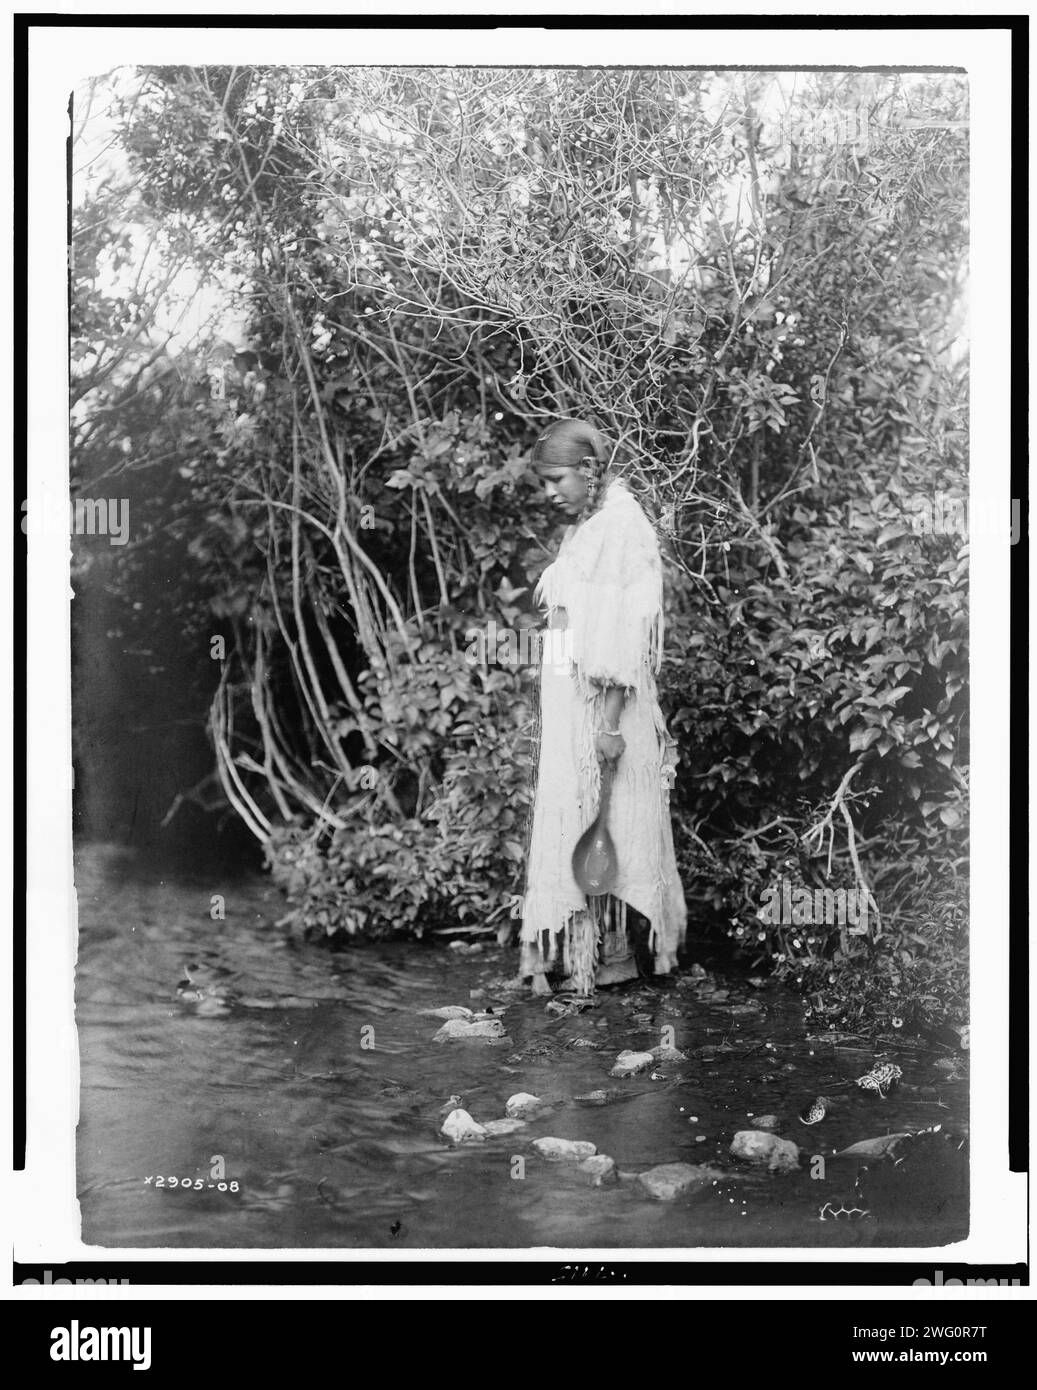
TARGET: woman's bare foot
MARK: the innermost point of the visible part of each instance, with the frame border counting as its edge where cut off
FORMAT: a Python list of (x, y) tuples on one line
[(616, 961), (616, 971)]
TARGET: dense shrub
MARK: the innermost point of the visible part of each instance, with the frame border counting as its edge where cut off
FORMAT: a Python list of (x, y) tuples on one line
[(435, 263), (460, 861)]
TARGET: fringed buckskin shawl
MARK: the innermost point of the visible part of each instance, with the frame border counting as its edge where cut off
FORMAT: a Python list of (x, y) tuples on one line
[(606, 589)]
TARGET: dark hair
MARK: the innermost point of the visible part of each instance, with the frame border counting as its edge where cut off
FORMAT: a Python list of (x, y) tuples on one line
[(567, 443)]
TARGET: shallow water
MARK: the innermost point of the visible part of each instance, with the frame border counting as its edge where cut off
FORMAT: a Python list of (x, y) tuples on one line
[(315, 1079)]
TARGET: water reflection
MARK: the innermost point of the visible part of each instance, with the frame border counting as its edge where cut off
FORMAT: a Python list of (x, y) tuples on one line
[(311, 1081)]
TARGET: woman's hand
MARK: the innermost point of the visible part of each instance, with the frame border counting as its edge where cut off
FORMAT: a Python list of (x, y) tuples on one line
[(610, 746)]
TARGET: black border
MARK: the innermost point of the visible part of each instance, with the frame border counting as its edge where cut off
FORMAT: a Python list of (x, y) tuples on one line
[(1019, 613), (532, 1271), (20, 490), (587, 1270), (245, 1340)]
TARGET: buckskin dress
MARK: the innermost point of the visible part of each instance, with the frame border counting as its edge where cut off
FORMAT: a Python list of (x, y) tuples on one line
[(603, 602)]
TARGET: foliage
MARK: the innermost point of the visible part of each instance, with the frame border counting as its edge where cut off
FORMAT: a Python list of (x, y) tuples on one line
[(461, 862), (435, 262)]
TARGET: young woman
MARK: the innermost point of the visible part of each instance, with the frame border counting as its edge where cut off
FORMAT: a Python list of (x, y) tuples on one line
[(598, 704)]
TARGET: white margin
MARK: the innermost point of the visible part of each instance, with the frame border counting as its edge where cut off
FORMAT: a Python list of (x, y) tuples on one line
[(42, 1200)]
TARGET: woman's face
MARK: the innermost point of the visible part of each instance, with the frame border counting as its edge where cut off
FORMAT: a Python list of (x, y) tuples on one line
[(566, 488)]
